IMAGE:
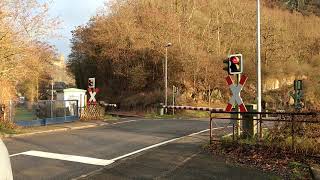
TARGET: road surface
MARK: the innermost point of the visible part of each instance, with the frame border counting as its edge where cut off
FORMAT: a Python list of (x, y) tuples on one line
[(68, 155)]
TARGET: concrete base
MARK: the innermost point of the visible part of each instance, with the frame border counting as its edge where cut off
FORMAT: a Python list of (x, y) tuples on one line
[(249, 125)]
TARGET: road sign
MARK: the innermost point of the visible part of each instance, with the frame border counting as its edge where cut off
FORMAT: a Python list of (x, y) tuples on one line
[(91, 82), (92, 92), (236, 94)]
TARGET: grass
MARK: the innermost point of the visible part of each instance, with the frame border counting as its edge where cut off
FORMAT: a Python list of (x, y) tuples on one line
[(179, 114), (157, 116), (7, 127), (108, 117), (24, 114), (7, 131), (302, 144), (298, 170), (195, 114), (252, 149)]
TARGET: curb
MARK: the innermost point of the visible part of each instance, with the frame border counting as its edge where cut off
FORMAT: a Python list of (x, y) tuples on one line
[(125, 115), (53, 130)]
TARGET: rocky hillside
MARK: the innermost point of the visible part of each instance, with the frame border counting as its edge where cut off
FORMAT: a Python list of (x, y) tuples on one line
[(124, 48), (306, 7)]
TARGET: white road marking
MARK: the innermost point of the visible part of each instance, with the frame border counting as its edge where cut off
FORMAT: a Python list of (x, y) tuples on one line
[(12, 155), (66, 157), (160, 144), (101, 162), (124, 122)]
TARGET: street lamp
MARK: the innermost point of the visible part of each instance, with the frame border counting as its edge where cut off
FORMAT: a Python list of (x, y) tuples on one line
[(166, 75), (258, 57), (259, 90)]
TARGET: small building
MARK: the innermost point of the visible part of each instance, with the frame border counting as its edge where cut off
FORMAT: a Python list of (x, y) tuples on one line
[(73, 94)]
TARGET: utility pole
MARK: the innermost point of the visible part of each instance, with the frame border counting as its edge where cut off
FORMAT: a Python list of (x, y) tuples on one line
[(166, 76), (173, 97), (258, 60), (166, 79), (209, 96), (52, 90), (51, 99)]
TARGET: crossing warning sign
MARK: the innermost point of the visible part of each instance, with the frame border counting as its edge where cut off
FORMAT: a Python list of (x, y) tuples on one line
[(236, 98)]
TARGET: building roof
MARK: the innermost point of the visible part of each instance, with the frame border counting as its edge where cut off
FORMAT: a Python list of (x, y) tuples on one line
[(74, 90)]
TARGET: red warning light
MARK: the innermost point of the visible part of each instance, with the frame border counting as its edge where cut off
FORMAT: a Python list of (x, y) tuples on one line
[(235, 60)]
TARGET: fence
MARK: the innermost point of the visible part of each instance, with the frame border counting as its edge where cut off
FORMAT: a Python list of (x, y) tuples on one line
[(298, 132), (42, 112)]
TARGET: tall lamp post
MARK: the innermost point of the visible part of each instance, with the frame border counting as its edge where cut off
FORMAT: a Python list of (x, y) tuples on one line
[(51, 107), (259, 61), (166, 75)]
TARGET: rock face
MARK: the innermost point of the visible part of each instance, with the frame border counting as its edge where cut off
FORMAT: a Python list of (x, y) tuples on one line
[(276, 83)]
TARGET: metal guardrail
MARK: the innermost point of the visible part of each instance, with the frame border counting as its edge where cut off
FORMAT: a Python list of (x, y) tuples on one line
[(293, 118)]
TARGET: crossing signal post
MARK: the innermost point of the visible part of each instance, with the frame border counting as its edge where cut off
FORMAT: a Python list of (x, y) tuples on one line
[(298, 94), (92, 90), (234, 66)]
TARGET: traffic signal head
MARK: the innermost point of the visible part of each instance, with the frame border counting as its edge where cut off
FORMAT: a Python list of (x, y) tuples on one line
[(297, 84), (235, 64)]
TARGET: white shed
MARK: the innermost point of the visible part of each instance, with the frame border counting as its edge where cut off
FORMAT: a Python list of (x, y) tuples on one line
[(73, 94)]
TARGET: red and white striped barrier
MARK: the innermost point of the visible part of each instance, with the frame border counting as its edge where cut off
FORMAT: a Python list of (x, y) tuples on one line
[(107, 104), (236, 94), (195, 108)]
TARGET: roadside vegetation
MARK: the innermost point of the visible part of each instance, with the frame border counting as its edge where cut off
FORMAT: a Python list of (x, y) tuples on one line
[(275, 160), (123, 47), (26, 59), (282, 151), (7, 127)]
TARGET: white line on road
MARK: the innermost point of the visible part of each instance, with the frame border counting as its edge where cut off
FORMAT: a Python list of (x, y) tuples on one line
[(12, 155), (147, 148), (124, 122), (100, 162), (66, 157), (160, 144)]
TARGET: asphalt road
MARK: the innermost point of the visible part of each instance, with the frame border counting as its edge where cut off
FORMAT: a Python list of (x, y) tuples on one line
[(102, 143), (181, 159)]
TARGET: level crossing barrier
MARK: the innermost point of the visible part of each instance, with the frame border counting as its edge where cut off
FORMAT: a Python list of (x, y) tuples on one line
[(102, 103)]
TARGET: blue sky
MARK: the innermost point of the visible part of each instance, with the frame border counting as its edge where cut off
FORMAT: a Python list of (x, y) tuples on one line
[(72, 13)]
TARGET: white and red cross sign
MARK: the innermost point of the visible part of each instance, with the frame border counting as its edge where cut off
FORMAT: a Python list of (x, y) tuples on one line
[(92, 92), (236, 89)]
